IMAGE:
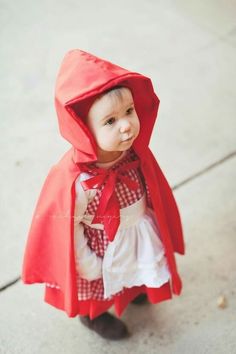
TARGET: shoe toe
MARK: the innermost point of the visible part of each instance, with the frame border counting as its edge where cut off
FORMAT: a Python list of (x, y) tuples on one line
[(107, 326)]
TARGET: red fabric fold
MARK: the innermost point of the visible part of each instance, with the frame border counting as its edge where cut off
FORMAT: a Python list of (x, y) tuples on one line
[(94, 308), (108, 211)]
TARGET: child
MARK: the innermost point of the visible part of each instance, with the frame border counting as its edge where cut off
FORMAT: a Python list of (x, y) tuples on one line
[(106, 225)]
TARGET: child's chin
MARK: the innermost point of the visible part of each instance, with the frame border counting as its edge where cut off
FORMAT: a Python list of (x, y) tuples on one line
[(125, 147), (127, 144)]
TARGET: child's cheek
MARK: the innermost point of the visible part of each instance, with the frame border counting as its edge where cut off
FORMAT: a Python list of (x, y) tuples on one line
[(102, 139)]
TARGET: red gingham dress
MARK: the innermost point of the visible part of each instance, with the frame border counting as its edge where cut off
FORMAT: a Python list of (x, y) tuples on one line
[(97, 239)]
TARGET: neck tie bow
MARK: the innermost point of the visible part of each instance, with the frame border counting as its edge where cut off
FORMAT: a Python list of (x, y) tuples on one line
[(108, 211)]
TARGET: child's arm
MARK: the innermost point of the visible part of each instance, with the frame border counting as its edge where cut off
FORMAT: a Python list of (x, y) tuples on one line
[(88, 264)]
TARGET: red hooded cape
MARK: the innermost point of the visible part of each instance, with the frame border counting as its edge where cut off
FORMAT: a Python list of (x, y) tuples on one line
[(49, 254)]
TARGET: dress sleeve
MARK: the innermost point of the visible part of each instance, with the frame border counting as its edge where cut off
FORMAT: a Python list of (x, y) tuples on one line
[(88, 264)]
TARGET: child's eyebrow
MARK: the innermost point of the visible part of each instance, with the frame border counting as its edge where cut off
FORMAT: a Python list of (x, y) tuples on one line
[(108, 115)]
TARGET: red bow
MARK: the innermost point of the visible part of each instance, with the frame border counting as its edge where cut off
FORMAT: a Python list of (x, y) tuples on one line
[(108, 211)]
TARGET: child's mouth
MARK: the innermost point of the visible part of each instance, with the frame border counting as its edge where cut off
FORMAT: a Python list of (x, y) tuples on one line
[(128, 139)]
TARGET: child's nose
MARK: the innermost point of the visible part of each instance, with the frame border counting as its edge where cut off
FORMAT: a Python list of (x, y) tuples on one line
[(125, 126)]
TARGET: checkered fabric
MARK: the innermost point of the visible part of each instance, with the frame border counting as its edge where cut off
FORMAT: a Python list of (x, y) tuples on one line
[(97, 239)]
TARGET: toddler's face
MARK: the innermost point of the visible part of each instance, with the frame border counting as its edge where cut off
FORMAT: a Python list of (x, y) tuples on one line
[(114, 124)]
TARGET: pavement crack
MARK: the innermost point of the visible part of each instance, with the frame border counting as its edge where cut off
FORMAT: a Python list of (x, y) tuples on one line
[(204, 170), (12, 282)]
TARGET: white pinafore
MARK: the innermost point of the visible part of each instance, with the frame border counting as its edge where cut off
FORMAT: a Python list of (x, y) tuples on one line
[(136, 255)]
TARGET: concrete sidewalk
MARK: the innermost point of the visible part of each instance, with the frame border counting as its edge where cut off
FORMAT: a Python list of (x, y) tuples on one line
[(188, 48)]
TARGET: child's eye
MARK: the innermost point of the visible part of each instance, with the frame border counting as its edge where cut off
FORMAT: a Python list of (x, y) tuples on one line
[(130, 110), (110, 121)]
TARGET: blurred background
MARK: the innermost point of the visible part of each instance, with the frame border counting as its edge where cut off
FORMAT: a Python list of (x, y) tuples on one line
[(188, 48)]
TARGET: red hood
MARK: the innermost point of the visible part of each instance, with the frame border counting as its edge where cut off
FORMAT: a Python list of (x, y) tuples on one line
[(81, 78)]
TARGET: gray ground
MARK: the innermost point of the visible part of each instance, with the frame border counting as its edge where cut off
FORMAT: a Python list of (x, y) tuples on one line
[(188, 48)]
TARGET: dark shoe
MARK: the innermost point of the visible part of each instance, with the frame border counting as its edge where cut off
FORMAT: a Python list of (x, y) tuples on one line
[(107, 326), (140, 299)]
